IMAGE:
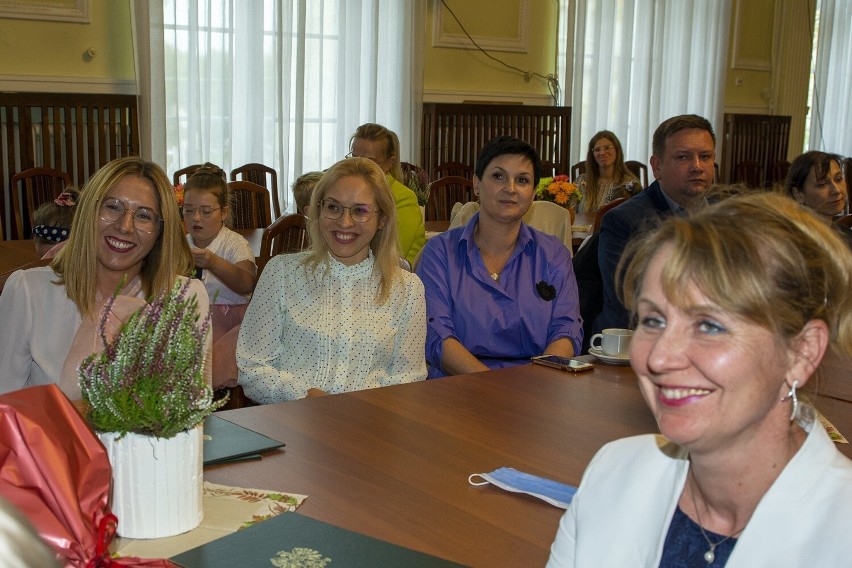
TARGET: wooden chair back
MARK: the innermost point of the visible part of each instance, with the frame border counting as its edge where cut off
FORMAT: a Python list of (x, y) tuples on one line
[(603, 211), (778, 172), (264, 176), (549, 169), (249, 205), (286, 235), (639, 170), (845, 221), (30, 188), (748, 172), (577, 169), (183, 174), (444, 193), (453, 169)]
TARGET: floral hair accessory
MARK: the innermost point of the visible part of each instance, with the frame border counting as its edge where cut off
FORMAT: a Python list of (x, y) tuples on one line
[(558, 190), (52, 234), (65, 199), (546, 291)]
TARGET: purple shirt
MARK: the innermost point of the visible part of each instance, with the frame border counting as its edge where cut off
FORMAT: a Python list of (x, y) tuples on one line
[(505, 322)]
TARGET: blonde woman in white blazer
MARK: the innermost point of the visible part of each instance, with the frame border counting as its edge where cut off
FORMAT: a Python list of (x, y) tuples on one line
[(735, 308)]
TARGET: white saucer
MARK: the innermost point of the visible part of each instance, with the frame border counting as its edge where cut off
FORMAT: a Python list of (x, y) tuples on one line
[(611, 359)]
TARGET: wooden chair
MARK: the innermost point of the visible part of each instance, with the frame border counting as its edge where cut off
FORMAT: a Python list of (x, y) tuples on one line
[(249, 205), (453, 169), (639, 170), (549, 169), (264, 176), (778, 172), (183, 174), (603, 211), (845, 221), (444, 193), (748, 172), (577, 169), (287, 234), (30, 188)]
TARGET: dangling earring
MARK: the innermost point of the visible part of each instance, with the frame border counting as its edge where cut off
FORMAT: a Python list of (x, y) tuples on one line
[(792, 394)]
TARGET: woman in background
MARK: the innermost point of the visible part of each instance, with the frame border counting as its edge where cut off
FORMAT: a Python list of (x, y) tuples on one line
[(341, 315), (224, 261), (743, 474), (381, 145), (126, 239), (816, 181), (606, 177)]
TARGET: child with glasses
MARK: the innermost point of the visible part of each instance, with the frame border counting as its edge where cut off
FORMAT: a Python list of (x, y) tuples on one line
[(341, 315), (224, 261)]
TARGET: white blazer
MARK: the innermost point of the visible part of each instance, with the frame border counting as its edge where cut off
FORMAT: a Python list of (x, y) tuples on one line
[(622, 510)]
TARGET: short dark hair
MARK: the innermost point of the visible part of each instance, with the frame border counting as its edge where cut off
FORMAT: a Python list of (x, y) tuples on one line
[(675, 124), (801, 167), (502, 145)]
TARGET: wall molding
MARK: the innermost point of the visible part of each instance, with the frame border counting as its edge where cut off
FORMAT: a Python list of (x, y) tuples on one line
[(65, 11), (748, 63), (54, 84), (747, 109), (447, 96), (519, 43)]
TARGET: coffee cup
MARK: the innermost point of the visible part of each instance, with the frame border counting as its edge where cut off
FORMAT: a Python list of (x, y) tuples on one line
[(613, 341)]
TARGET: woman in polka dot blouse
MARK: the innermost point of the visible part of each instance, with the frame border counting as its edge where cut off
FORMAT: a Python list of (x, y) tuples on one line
[(342, 315)]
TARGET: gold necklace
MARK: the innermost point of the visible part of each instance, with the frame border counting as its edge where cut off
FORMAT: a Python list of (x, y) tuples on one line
[(710, 555)]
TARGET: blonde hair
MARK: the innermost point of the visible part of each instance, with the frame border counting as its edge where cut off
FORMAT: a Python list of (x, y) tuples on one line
[(385, 243), (76, 264), (760, 257), (372, 131), (302, 188)]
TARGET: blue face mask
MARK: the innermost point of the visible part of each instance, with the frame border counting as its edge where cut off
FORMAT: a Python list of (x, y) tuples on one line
[(553, 492)]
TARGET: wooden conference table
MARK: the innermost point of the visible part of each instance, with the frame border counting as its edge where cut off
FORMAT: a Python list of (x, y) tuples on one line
[(393, 463)]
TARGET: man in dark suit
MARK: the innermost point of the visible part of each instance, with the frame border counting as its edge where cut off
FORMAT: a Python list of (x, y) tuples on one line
[(684, 151)]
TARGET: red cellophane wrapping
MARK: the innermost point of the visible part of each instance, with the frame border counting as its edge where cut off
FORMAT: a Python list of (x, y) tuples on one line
[(56, 472)]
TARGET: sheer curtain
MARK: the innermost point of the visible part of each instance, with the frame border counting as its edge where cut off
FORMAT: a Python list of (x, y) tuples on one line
[(638, 62), (280, 82), (831, 120)]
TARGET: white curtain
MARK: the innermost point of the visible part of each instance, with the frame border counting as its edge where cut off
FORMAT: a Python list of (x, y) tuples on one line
[(283, 82), (639, 62), (831, 115)]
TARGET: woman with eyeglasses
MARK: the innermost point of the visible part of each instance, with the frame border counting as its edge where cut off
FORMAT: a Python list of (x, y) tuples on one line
[(341, 315), (224, 261), (381, 145), (126, 239), (606, 177)]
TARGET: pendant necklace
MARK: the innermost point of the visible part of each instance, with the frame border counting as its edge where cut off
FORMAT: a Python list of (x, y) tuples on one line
[(710, 555)]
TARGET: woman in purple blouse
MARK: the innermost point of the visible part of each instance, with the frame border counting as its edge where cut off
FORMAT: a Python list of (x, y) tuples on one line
[(497, 291)]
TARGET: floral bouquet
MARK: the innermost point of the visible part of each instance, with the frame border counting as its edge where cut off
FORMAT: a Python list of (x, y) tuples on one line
[(558, 190), (148, 379), (179, 194)]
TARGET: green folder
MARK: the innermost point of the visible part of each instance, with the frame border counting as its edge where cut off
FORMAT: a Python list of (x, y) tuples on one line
[(226, 442), (291, 539)]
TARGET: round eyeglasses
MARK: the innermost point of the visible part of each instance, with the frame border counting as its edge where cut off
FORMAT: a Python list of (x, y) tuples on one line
[(359, 213), (204, 210), (144, 219)]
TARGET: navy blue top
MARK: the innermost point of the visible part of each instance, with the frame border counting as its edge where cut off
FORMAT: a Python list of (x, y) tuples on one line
[(685, 545)]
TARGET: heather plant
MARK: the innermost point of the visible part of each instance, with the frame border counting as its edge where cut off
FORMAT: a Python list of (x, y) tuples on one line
[(149, 378)]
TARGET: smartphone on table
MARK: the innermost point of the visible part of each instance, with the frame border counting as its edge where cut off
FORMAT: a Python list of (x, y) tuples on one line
[(563, 363)]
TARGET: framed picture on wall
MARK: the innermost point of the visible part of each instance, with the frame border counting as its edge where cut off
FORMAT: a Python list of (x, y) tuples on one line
[(58, 10), (463, 24)]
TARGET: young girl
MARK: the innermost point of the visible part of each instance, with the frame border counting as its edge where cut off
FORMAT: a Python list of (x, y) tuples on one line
[(52, 222), (224, 261)]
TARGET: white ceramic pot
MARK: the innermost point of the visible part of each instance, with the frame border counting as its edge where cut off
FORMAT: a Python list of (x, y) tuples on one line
[(156, 482)]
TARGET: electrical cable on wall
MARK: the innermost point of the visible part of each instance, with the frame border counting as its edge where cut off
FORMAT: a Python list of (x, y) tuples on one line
[(551, 79)]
